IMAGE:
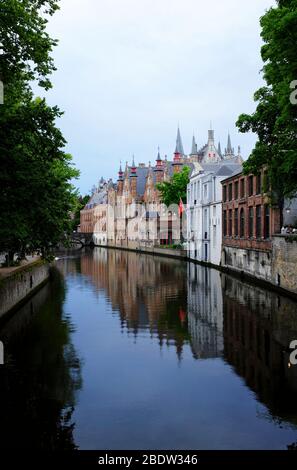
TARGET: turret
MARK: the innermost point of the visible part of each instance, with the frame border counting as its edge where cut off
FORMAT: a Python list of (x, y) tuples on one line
[(133, 179), (120, 180), (159, 169)]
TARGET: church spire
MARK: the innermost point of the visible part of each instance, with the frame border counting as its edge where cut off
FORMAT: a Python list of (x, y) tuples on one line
[(220, 149), (127, 169), (229, 149), (120, 172), (179, 145), (159, 163), (194, 146), (133, 167)]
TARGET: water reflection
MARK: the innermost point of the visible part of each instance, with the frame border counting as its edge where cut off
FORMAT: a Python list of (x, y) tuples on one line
[(258, 328), (148, 294), (41, 374), (174, 356)]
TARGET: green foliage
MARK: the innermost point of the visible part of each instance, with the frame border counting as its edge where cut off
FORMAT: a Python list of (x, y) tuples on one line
[(175, 189), (80, 203), (25, 45), (275, 118), (36, 194)]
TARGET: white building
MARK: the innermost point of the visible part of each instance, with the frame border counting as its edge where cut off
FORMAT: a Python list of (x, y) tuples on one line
[(204, 201)]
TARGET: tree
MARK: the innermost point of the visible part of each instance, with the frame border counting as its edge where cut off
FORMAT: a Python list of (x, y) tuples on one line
[(275, 118), (175, 189), (25, 45), (36, 194), (80, 203)]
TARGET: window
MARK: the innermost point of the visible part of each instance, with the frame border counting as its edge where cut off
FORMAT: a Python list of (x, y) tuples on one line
[(258, 222), (225, 223), (214, 213), (224, 193), (236, 223), (251, 185), (267, 221), (236, 190), (230, 222), (259, 184), (230, 192), (251, 222), (214, 236), (242, 222), (242, 188)]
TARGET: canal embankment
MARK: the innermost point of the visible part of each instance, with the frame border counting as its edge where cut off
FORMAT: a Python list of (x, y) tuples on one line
[(19, 283), (283, 277)]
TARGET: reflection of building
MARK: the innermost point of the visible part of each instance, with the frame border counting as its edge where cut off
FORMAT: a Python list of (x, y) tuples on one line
[(205, 311), (149, 293), (258, 328)]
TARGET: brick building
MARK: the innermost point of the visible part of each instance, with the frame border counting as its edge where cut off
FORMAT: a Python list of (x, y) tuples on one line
[(93, 218), (249, 222)]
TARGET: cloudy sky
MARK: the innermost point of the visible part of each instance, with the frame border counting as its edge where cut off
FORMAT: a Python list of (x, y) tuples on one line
[(130, 70)]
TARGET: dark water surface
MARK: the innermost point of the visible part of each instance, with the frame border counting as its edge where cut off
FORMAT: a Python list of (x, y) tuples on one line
[(127, 351)]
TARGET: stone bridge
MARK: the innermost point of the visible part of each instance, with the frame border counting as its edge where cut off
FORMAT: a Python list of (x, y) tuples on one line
[(83, 239)]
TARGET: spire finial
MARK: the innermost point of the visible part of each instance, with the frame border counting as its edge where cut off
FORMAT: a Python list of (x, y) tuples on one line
[(179, 145), (229, 149)]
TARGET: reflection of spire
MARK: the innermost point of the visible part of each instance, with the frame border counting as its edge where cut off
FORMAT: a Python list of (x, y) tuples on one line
[(179, 145)]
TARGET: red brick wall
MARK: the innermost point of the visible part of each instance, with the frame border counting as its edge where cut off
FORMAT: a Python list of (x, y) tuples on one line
[(250, 199)]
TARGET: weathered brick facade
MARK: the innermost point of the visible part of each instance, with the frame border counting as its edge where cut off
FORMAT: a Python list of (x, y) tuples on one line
[(249, 222)]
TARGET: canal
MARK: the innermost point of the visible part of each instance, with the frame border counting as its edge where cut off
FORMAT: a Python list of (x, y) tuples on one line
[(128, 351)]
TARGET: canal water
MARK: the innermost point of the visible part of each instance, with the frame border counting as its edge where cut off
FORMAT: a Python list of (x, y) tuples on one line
[(128, 351)]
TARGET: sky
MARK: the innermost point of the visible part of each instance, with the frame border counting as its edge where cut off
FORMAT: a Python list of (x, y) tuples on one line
[(131, 71)]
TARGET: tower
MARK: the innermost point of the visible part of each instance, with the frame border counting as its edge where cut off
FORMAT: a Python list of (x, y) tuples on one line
[(178, 154), (159, 170), (120, 181), (133, 179), (211, 155)]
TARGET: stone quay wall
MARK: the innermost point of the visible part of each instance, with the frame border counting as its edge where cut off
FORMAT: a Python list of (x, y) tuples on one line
[(21, 283), (284, 262)]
